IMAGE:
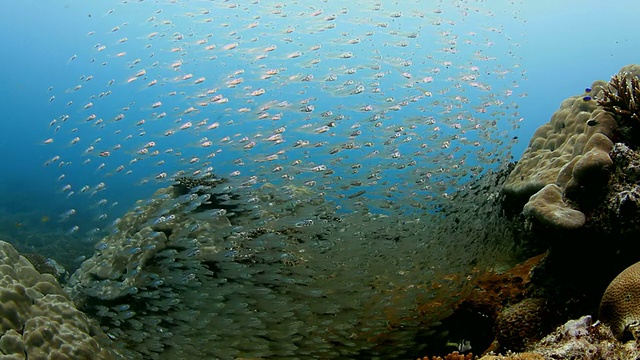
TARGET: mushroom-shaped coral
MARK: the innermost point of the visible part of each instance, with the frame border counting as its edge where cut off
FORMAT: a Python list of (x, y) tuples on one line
[(620, 304), (548, 207)]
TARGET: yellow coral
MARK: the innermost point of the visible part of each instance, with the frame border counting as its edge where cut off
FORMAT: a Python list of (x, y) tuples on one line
[(620, 304), (38, 319)]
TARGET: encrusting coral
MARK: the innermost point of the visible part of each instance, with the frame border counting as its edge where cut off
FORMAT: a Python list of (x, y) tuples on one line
[(452, 356), (620, 304), (520, 325), (38, 321), (548, 207)]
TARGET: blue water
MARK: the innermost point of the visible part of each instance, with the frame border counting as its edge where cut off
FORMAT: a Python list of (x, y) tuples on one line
[(551, 50)]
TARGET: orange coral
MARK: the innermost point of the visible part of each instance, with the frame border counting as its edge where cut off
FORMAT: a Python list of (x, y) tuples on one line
[(453, 356), (493, 291)]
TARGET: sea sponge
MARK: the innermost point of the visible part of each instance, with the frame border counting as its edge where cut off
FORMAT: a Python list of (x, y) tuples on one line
[(620, 304), (550, 209), (38, 319)]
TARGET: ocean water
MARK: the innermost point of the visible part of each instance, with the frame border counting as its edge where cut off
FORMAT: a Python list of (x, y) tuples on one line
[(378, 107)]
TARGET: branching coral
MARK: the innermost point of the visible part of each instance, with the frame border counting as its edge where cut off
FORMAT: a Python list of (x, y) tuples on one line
[(622, 98)]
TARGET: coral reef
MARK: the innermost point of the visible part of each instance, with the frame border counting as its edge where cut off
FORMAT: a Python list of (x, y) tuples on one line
[(38, 319), (453, 356), (591, 204), (621, 97), (620, 304), (558, 145), (548, 207), (520, 325), (566, 157), (584, 339), (174, 280)]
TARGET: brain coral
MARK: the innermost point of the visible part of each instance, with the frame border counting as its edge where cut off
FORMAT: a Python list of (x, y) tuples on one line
[(38, 321), (620, 304)]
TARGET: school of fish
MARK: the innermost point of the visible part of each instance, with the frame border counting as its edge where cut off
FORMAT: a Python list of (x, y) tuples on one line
[(383, 106)]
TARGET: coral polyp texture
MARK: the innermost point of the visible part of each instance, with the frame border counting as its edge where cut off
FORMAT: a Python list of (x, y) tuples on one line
[(556, 146), (549, 208), (521, 325), (38, 319), (571, 151), (620, 304), (621, 97)]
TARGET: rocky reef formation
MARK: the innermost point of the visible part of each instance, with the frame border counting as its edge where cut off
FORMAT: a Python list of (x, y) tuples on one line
[(577, 185), (574, 195)]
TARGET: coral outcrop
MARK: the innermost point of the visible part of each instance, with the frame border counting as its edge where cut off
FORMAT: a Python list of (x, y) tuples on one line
[(38, 319), (621, 97), (620, 304), (558, 145), (570, 152), (578, 339), (521, 325), (549, 208), (583, 187)]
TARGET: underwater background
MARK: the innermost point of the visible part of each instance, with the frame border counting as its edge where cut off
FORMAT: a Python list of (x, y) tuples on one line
[(359, 112)]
